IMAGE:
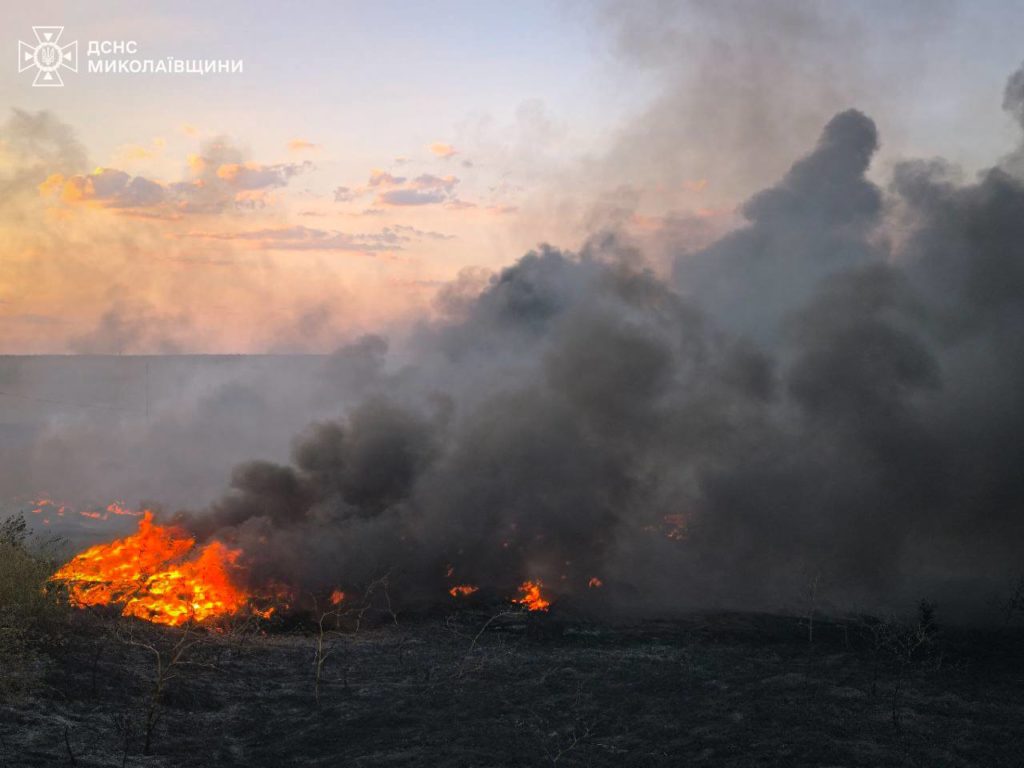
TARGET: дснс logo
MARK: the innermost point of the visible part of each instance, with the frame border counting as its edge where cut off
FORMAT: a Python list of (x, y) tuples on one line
[(47, 56)]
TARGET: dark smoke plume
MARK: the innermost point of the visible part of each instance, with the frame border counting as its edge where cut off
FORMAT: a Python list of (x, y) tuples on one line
[(820, 395)]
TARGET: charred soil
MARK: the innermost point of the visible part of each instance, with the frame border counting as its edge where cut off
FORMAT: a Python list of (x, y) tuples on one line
[(482, 689)]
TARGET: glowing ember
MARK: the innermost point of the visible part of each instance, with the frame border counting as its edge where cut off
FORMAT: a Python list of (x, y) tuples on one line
[(675, 526), (118, 508), (595, 583), (114, 508), (532, 597), (44, 504), (157, 575), (462, 590), (337, 596)]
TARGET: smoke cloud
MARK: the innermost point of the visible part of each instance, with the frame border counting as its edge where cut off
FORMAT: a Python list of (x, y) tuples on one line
[(829, 393), (810, 398)]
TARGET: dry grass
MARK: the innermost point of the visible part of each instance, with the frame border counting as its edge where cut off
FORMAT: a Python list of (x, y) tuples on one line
[(32, 612)]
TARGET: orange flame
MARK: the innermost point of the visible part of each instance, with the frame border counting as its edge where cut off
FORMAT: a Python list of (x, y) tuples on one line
[(157, 575), (595, 583), (462, 590), (337, 596), (532, 597)]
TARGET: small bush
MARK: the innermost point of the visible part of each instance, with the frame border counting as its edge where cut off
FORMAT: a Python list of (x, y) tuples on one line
[(32, 611)]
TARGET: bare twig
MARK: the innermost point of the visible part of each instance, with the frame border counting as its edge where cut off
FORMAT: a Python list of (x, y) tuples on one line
[(811, 602), (478, 635), (167, 666), (322, 647)]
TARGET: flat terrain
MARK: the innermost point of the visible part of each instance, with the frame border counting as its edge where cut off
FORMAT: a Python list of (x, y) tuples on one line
[(529, 690)]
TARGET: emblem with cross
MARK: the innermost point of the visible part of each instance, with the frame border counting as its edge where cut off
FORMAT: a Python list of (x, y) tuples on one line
[(47, 56)]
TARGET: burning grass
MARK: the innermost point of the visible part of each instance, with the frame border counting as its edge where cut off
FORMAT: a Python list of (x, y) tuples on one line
[(532, 597), (158, 574), (532, 682), (204, 680)]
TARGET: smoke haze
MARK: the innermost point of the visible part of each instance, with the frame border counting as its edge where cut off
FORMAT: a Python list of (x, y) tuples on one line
[(829, 392), (809, 397)]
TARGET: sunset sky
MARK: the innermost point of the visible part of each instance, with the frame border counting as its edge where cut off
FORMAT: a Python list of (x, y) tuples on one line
[(370, 153)]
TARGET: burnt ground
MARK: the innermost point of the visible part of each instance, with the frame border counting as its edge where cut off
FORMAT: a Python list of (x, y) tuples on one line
[(532, 690)]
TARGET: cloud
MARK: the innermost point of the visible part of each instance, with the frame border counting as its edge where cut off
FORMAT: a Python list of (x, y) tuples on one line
[(114, 242), (426, 189), (410, 232), (429, 181), (379, 178), (300, 238), (218, 179), (411, 197), (107, 187), (256, 176), (442, 150), (135, 153), (301, 145)]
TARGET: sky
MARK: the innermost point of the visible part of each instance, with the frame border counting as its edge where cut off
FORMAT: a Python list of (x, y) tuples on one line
[(373, 157)]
